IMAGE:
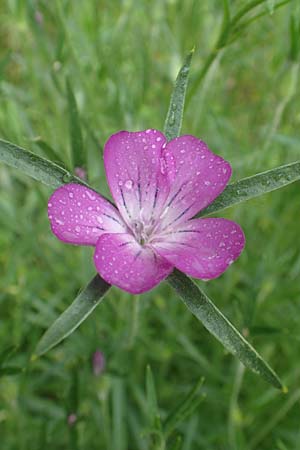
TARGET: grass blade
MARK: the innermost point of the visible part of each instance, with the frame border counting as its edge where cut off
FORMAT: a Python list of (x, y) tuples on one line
[(152, 405), (48, 151), (218, 325), (174, 117), (6, 354), (10, 370), (36, 167), (74, 315), (77, 151), (185, 408), (254, 186)]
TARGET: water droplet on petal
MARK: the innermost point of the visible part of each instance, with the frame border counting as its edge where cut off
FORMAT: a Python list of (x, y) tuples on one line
[(90, 195), (128, 184), (77, 229), (120, 183), (163, 165)]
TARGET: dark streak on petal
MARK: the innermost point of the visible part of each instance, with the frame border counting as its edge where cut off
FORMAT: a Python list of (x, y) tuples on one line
[(180, 215), (188, 231), (176, 243), (112, 218), (137, 255), (124, 203), (155, 198), (125, 243), (175, 195), (139, 188)]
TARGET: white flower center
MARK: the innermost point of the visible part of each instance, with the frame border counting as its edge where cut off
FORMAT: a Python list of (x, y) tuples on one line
[(143, 232)]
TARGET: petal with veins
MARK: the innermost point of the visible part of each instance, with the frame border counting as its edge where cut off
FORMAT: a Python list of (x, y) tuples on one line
[(202, 248), (136, 174), (197, 175), (78, 215), (121, 261)]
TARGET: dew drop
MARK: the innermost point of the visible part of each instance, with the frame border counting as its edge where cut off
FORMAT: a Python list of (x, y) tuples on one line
[(90, 195), (77, 229), (163, 165), (71, 195), (120, 183), (128, 184), (67, 178)]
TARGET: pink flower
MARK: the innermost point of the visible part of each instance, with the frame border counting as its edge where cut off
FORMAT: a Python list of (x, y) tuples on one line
[(80, 173), (158, 187), (72, 419), (98, 362)]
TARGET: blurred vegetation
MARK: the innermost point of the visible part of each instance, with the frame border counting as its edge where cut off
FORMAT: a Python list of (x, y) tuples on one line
[(120, 59)]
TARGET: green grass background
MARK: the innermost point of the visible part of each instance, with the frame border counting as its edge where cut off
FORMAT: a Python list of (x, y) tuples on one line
[(121, 58)]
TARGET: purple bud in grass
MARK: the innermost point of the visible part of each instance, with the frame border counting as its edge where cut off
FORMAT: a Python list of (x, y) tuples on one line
[(39, 18), (72, 419), (98, 362), (81, 173)]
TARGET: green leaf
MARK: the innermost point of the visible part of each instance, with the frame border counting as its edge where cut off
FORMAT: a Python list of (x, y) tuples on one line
[(254, 186), (152, 405), (241, 27), (36, 167), (174, 117), (77, 150), (294, 37), (10, 370), (218, 325), (6, 354), (74, 315), (185, 408), (225, 29), (178, 443)]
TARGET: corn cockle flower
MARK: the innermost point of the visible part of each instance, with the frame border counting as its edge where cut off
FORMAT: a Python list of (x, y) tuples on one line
[(158, 187)]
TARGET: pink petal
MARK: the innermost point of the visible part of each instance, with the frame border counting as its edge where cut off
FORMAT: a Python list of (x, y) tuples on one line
[(197, 175), (202, 248), (121, 261), (79, 215), (136, 175)]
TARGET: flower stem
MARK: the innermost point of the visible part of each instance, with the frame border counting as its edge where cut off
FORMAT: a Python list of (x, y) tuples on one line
[(134, 320)]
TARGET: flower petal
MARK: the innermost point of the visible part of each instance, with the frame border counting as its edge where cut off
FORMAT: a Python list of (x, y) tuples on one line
[(121, 261), (197, 175), (78, 215), (135, 174), (202, 248)]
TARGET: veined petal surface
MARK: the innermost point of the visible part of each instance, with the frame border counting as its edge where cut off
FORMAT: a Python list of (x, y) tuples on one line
[(78, 215)]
